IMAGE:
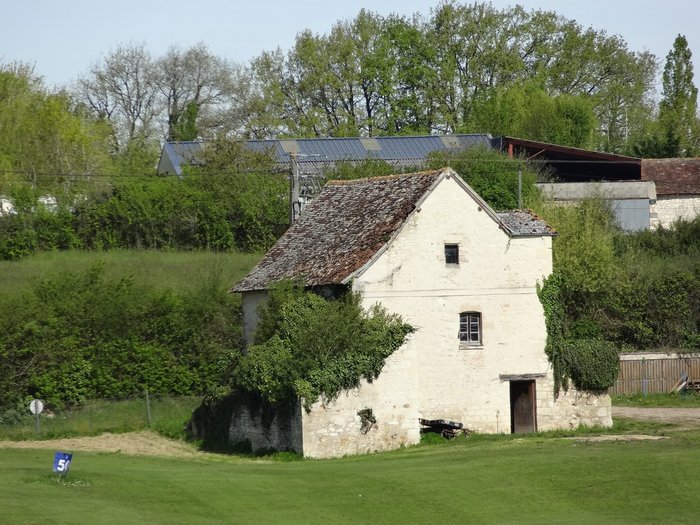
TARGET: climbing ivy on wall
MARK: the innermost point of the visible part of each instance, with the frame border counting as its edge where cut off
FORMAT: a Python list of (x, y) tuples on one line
[(310, 347), (591, 364)]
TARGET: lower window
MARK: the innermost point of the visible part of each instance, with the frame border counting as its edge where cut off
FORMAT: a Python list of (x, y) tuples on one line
[(470, 328)]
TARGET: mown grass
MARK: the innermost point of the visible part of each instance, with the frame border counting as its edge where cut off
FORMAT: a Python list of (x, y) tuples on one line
[(674, 399), (168, 416), (523, 480), (160, 269)]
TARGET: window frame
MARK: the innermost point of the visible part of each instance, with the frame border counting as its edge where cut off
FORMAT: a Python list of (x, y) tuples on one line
[(454, 248), (469, 325)]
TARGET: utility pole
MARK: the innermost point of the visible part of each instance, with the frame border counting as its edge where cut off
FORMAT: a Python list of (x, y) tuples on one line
[(294, 204), (520, 187)]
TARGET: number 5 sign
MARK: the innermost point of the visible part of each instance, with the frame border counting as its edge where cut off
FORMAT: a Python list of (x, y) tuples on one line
[(61, 462)]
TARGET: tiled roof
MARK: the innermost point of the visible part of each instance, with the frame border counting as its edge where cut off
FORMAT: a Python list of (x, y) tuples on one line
[(524, 222), (673, 176), (340, 230), (350, 221)]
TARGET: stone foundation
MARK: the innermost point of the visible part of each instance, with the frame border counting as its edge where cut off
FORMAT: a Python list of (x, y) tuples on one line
[(574, 408)]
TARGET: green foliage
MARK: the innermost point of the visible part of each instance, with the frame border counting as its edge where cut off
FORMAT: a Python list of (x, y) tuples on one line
[(678, 107), (584, 249), (492, 175), (460, 68), (310, 347), (84, 336), (359, 170), (185, 125), (45, 136), (168, 416), (222, 212), (676, 130), (640, 291), (592, 364), (529, 111)]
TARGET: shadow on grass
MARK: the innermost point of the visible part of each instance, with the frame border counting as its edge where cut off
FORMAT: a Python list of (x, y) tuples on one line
[(243, 449), (621, 426)]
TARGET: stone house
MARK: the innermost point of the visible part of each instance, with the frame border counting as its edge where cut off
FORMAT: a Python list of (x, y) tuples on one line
[(427, 247), (677, 188)]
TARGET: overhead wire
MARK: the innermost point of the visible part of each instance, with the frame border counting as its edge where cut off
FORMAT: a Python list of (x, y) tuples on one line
[(155, 176)]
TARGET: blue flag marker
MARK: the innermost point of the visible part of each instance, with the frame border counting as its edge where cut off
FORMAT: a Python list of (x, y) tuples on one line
[(61, 462)]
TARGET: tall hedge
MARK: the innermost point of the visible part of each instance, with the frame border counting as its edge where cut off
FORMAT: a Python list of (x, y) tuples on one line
[(84, 336), (221, 212)]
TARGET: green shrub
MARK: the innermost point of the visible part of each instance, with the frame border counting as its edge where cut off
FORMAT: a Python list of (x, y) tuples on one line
[(218, 212), (591, 364), (493, 175), (311, 347), (84, 336)]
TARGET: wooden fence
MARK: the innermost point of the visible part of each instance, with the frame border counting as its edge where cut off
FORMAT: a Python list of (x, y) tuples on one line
[(654, 373)]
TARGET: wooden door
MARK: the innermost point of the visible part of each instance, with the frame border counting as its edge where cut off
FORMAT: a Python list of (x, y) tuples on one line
[(523, 407)]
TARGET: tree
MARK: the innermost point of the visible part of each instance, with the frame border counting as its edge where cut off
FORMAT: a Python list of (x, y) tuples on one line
[(195, 88), (377, 75), (492, 175), (44, 137), (309, 347), (678, 108), (122, 89), (529, 111)]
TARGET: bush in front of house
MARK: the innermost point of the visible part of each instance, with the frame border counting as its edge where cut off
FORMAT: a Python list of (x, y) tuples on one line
[(311, 347), (592, 364)]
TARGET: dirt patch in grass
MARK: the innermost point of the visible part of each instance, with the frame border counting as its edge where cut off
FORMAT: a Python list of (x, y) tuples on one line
[(687, 417), (620, 437), (145, 443)]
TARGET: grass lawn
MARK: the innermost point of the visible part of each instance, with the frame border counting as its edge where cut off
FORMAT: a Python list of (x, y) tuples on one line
[(683, 399), (168, 416), (527, 480), (161, 269)]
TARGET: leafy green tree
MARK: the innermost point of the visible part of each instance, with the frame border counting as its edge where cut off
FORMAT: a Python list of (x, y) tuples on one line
[(678, 107), (378, 75), (492, 175), (528, 111), (45, 138)]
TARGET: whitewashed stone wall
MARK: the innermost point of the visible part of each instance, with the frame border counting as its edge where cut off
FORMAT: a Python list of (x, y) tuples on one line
[(572, 408), (434, 376), (496, 276), (250, 304), (334, 429), (670, 208), (279, 432)]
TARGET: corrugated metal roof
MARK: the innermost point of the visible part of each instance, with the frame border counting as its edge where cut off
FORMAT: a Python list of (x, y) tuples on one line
[(315, 154), (182, 153), (349, 222)]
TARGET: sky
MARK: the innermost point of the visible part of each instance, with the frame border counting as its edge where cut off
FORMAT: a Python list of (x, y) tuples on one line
[(63, 38)]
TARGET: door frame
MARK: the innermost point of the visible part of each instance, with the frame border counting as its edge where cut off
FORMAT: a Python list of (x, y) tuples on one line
[(528, 387)]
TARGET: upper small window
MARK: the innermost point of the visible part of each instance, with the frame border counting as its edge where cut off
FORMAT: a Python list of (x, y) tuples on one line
[(452, 253)]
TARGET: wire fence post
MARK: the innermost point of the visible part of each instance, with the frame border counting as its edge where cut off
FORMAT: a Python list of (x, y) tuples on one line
[(520, 187), (148, 409)]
